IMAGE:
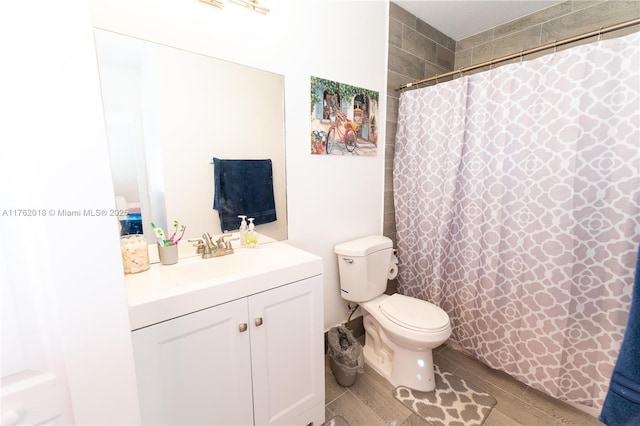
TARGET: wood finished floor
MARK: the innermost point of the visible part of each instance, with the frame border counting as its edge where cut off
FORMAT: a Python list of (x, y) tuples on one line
[(369, 401)]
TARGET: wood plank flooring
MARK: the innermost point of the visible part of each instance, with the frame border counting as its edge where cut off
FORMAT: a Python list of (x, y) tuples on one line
[(369, 402)]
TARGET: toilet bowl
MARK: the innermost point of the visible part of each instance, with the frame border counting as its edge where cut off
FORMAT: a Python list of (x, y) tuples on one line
[(400, 349), (400, 331)]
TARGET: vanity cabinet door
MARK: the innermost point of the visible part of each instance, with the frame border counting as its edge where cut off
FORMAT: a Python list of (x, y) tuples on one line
[(196, 369), (288, 353)]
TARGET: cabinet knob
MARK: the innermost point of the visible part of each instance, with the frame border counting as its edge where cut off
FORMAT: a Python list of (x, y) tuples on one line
[(243, 327), (258, 321)]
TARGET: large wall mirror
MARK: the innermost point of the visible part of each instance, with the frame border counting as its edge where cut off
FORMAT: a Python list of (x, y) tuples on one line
[(168, 112)]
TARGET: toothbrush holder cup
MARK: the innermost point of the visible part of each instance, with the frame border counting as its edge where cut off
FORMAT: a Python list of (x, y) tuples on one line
[(168, 254)]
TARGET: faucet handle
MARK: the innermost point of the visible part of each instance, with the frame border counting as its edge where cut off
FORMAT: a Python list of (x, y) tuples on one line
[(221, 239), (224, 246), (199, 243), (228, 244)]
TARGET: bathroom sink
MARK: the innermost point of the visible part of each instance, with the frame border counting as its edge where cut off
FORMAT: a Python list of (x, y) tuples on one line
[(242, 263), (195, 269), (168, 291)]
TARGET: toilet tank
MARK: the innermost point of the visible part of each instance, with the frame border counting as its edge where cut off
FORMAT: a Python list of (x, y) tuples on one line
[(364, 265)]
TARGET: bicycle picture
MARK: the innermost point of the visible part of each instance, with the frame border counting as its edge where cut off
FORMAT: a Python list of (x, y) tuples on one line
[(345, 129), (345, 117)]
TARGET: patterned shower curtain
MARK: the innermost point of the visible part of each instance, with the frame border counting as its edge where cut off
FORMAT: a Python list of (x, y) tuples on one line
[(517, 197)]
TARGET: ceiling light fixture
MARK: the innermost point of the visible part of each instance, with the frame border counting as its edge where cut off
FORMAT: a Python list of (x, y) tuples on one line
[(217, 3), (252, 4)]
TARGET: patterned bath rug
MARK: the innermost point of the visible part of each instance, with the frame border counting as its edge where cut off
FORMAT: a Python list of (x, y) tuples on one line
[(453, 403), (336, 421)]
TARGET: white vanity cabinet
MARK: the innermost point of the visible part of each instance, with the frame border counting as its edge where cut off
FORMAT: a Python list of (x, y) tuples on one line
[(196, 369), (257, 359)]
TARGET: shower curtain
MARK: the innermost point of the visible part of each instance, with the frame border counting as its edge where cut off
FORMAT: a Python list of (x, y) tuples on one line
[(517, 198)]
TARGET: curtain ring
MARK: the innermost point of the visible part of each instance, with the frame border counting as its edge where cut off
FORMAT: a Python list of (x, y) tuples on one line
[(521, 55), (555, 46), (460, 72), (599, 33), (436, 78)]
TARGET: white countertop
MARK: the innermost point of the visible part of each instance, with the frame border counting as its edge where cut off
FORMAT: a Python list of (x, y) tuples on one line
[(165, 292)]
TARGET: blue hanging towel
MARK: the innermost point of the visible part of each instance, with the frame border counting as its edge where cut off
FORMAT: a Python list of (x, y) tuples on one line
[(622, 404), (243, 187)]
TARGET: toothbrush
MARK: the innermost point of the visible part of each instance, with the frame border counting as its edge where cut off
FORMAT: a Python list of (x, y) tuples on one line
[(182, 229), (164, 240), (175, 225), (160, 236), (155, 232)]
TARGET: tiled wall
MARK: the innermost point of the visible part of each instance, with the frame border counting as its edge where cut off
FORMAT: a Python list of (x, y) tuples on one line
[(417, 51), (561, 21)]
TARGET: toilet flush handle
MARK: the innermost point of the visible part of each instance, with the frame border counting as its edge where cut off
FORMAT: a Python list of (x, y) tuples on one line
[(346, 259)]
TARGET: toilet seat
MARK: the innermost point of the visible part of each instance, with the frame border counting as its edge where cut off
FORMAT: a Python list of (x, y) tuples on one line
[(414, 314)]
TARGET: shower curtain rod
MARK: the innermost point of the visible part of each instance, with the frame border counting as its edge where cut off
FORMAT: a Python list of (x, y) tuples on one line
[(554, 44)]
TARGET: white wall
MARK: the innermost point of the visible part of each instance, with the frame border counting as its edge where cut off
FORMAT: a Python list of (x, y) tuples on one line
[(331, 199)]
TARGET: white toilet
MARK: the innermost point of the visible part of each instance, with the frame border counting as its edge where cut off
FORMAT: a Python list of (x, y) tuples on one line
[(400, 331)]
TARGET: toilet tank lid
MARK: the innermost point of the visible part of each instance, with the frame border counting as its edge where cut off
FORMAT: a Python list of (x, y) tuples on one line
[(364, 246)]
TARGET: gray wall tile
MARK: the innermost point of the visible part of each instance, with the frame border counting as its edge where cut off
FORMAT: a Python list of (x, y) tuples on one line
[(533, 19), (395, 33), (463, 58), (417, 44), (581, 4), (435, 35), (564, 20), (475, 40), (395, 80), (515, 42), (401, 15), (589, 19), (405, 63), (445, 57)]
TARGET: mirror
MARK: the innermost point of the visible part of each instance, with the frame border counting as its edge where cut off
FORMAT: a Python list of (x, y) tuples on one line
[(168, 112)]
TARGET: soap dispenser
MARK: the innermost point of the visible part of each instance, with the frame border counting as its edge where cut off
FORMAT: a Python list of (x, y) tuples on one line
[(252, 235), (243, 230)]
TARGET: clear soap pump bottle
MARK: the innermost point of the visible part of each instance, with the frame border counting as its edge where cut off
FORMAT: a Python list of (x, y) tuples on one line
[(252, 235), (243, 230)]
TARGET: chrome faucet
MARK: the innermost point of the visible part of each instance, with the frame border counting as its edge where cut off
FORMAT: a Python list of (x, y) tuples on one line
[(209, 249), (204, 245), (208, 242), (223, 247)]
